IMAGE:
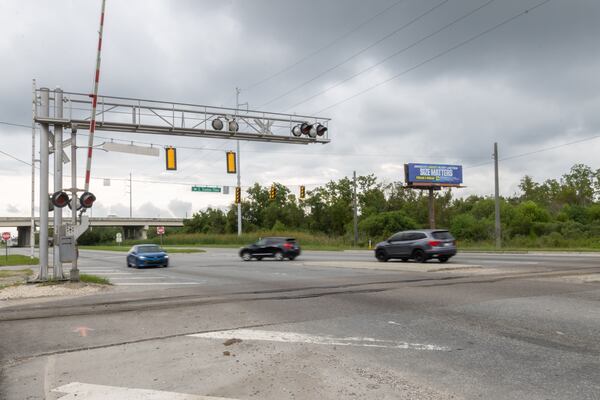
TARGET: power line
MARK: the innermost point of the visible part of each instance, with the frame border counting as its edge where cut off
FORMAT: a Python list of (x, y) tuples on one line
[(325, 47), (15, 158), (438, 55), (410, 46), (354, 55)]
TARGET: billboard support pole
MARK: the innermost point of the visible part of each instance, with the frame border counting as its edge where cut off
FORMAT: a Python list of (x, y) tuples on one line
[(498, 227), (431, 208)]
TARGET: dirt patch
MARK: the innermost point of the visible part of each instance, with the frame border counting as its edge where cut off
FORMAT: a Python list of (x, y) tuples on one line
[(229, 342)]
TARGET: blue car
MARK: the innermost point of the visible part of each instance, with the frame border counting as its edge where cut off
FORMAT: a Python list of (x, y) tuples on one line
[(147, 255)]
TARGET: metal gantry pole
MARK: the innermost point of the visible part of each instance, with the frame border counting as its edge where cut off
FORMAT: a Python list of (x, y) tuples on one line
[(74, 273), (44, 177), (497, 225), (57, 271), (32, 223), (355, 207)]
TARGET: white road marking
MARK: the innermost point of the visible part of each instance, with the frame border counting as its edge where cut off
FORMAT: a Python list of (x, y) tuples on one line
[(136, 277), (293, 337), (113, 273), (88, 391)]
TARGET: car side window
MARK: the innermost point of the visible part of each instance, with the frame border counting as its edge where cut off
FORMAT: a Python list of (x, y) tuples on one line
[(261, 242), (397, 237), (419, 236)]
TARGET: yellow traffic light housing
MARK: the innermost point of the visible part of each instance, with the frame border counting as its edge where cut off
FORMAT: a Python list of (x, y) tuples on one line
[(238, 195), (302, 192), (231, 163), (272, 193), (171, 158)]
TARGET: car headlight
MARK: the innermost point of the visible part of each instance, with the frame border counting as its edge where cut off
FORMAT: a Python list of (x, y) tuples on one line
[(166, 256), (142, 257)]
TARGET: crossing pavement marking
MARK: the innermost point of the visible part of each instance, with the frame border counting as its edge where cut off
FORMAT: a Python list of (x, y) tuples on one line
[(88, 391), (156, 283), (293, 337)]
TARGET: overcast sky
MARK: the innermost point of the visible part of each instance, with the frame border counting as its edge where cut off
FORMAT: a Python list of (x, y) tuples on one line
[(529, 85)]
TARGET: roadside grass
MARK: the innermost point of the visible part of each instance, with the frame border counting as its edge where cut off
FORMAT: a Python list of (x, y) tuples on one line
[(94, 279), (17, 259), (10, 278), (169, 249)]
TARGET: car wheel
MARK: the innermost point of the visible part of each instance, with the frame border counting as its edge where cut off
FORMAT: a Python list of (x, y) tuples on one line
[(291, 258), (443, 259), (246, 256), (405, 259), (259, 258), (128, 265), (278, 256), (419, 256), (381, 256)]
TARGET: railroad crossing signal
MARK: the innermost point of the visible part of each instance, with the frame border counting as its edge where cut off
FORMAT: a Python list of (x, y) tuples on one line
[(87, 199), (238, 195), (302, 192), (171, 158), (272, 192), (231, 167)]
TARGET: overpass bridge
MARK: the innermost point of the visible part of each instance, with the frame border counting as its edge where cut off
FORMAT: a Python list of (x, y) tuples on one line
[(134, 228)]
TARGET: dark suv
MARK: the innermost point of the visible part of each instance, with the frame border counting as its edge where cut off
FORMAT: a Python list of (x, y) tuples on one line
[(418, 245), (275, 247)]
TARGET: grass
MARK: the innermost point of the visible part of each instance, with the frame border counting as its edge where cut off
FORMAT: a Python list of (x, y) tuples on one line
[(169, 249), (94, 279), (17, 259), (14, 277)]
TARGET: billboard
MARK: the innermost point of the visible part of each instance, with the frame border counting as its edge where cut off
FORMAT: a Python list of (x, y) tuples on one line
[(434, 174)]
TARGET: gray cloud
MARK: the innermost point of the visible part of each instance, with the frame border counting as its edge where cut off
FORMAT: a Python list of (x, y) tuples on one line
[(12, 209), (180, 208), (528, 85)]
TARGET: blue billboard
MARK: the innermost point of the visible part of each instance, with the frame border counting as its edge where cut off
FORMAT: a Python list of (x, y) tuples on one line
[(435, 174)]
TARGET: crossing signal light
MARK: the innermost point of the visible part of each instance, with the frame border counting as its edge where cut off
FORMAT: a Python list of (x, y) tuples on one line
[(272, 193), (171, 158), (217, 124), (60, 199), (309, 130), (87, 199), (302, 192), (238, 195), (231, 167)]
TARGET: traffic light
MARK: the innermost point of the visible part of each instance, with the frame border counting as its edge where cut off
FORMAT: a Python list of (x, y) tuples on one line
[(87, 199), (309, 130), (302, 192), (238, 195), (272, 192), (231, 167), (60, 199), (171, 158)]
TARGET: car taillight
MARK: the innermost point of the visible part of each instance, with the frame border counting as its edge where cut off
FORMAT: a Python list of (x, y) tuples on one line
[(288, 245), (434, 243)]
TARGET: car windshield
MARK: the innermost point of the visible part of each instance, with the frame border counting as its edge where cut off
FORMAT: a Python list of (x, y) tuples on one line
[(442, 235), (149, 249)]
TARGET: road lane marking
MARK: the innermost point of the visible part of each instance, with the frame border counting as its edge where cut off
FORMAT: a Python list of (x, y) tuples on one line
[(88, 391), (293, 337), (136, 277)]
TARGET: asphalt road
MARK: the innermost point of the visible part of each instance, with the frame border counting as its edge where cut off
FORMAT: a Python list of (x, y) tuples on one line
[(330, 325)]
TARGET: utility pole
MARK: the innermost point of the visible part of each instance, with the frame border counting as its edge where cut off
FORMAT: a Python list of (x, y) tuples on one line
[(498, 227), (238, 164), (32, 231), (431, 208), (130, 197), (44, 177), (354, 203), (57, 271)]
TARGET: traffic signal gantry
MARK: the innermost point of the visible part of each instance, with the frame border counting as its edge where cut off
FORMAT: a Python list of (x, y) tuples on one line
[(72, 110)]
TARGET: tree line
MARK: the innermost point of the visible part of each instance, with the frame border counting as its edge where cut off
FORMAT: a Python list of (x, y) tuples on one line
[(563, 212)]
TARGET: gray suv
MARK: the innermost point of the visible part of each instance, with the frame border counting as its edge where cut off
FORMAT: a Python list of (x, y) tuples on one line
[(418, 245)]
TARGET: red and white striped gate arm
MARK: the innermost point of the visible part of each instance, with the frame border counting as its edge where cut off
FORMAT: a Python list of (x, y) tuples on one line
[(94, 96)]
